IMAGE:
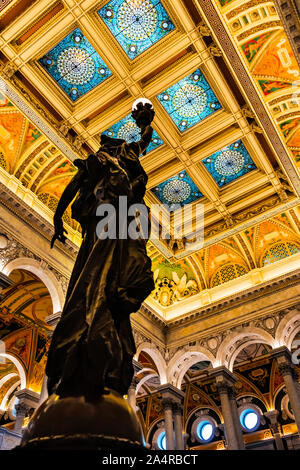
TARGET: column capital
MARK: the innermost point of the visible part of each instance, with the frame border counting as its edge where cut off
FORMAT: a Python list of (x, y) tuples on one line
[(177, 408), (53, 319), (27, 398), (272, 416), (225, 388), (167, 403), (134, 382), (287, 369), (137, 366), (22, 409), (168, 391)]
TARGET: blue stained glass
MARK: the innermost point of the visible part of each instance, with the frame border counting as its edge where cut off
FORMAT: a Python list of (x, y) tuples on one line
[(128, 130), (189, 101), (179, 189), (75, 65), (136, 24), (230, 163)]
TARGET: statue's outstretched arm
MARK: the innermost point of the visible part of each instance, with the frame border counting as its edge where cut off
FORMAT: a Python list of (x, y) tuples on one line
[(146, 138), (66, 198)]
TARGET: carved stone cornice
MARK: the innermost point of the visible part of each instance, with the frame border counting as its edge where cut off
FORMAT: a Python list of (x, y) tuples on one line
[(289, 15), (225, 389), (239, 298), (15, 249), (287, 369)]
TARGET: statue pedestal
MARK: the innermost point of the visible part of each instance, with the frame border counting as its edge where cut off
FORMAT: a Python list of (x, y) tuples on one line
[(75, 424)]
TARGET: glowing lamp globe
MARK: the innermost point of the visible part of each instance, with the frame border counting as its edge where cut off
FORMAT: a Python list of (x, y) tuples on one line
[(141, 100)]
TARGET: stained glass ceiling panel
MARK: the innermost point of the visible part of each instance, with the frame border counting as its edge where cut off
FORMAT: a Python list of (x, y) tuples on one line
[(128, 130), (189, 101), (179, 189), (75, 65), (136, 24), (230, 163)]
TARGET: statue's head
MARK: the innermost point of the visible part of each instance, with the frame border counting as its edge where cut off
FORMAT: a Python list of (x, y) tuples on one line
[(110, 144)]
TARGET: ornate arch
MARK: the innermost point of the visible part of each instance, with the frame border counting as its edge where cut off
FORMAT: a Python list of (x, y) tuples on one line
[(238, 340), (288, 328), (182, 361), (45, 275), (156, 357), (19, 367)]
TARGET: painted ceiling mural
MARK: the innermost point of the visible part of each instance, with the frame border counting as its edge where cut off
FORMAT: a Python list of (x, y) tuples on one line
[(259, 33), (264, 244), (23, 310), (39, 166)]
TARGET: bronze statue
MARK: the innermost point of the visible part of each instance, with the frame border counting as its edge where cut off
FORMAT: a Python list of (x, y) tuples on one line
[(92, 346)]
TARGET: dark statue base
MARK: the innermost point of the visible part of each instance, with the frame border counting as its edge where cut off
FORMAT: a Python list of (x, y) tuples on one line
[(75, 424)]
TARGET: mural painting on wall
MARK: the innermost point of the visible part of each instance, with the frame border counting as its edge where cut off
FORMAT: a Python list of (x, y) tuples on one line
[(173, 281), (23, 310)]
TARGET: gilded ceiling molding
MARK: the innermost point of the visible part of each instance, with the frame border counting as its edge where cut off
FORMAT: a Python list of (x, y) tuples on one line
[(289, 15), (235, 61), (261, 213), (52, 135), (272, 25), (240, 298)]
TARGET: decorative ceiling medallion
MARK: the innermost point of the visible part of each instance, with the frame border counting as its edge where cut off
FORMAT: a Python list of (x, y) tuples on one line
[(180, 189), (75, 65), (189, 101), (136, 24), (230, 163), (127, 129)]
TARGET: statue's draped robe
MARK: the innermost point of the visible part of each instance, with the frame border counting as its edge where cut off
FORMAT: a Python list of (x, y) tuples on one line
[(92, 346)]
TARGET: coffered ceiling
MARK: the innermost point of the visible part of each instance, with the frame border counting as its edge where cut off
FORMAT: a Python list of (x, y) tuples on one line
[(221, 76)]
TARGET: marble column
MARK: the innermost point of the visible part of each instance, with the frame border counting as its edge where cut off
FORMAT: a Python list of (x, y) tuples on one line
[(28, 400), (132, 393), (171, 396), (52, 321), (236, 419), (233, 431), (288, 373), (177, 414), (168, 411), (272, 416)]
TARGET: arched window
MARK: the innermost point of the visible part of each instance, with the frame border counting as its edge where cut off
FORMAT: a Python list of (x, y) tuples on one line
[(279, 251), (227, 273)]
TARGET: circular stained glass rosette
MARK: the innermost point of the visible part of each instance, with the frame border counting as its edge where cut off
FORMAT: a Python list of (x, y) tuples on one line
[(190, 100), (129, 132), (75, 66), (176, 191), (229, 163), (137, 20)]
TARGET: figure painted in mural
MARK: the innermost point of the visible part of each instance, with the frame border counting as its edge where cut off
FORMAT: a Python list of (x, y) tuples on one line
[(92, 346)]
